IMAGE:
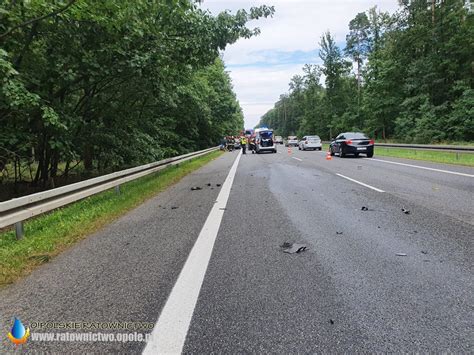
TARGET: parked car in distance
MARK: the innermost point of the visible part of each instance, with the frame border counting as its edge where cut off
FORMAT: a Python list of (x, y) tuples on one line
[(291, 141), (278, 140), (237, 143), (310, 142), (264, 141), (352, 143)]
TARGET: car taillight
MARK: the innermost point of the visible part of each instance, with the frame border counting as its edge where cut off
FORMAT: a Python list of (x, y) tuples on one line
[(348, 141), (372, 141)]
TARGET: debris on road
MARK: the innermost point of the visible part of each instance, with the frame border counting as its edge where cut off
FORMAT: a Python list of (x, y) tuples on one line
[(218, 185), (364, 208), (404, 210), (208, 184), (424, 252), (331, 321), (194, 188), (401, 254), (286, 245), (295, 248), (338, 232), (174, 207)]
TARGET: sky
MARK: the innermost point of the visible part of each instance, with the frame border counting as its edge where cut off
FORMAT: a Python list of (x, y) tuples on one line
[(261, 67)]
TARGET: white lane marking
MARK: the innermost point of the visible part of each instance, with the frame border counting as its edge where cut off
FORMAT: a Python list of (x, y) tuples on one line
[(169, 334), (421, 167), (297, 159), (360, 183)]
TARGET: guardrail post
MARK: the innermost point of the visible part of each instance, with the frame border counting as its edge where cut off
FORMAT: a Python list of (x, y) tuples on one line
[(457, 156), (19, 230), (117, 189)]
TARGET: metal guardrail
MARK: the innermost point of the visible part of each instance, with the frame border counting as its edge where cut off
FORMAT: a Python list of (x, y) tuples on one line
[(449, 148), (17, 210)]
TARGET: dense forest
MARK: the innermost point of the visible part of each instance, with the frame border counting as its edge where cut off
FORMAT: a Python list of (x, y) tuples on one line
[(407, 76), (112, 83)]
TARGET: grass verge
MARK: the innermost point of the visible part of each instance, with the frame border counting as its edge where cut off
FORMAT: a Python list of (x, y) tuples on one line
[(460, 158), (466, 159), (50, 234)]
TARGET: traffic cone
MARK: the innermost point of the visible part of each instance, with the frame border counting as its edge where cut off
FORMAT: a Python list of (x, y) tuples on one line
[(328, 155)]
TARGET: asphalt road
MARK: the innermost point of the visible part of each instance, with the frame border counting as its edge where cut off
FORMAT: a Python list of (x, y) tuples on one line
[(349, 292)]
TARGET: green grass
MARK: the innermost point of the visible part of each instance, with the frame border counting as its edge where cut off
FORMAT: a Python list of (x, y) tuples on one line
[(460, 158), (466, 159), (48, 235)]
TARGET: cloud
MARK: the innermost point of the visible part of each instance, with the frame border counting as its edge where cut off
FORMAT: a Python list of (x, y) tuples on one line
[(262, 66)]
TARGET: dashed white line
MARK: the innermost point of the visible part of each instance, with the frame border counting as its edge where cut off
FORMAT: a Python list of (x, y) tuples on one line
[(421, 167), (297, 159), (169, 334), (360, 183)]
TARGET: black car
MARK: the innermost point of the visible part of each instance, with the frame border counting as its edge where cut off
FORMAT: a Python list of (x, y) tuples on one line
[(352, 143)]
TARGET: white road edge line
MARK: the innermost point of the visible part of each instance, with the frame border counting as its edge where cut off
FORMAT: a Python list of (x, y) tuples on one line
[(169, 334), (421, 167), (297, 159), (360, 183)]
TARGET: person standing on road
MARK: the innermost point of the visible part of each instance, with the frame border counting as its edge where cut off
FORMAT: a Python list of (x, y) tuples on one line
[(252, 145), (243, 143)]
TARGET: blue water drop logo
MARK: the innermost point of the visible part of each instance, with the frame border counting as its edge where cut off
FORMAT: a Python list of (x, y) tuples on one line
[(18, 329), (19, 334)]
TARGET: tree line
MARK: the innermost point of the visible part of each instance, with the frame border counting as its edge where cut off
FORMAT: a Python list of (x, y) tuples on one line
[(113, 83), (407, 76)]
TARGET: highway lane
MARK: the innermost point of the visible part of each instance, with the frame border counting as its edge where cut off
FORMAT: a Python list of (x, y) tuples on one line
[(122, 273), (439, 189), (348, 292)]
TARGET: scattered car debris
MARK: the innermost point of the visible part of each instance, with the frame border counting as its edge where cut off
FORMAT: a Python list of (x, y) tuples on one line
[(208, 184), (338, 232), (194, 188), (218, 185), (401, 254), (174, 207), (331, 321), (127, 243), (378, 227), (295, 248), (424, 252), (404, 210), (364, 208)]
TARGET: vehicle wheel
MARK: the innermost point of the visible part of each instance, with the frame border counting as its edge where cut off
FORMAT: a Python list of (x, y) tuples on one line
[(370, 155), (274, 151), (341, 153), (356, 155), (321, 148), (299, 148), (331, 151)]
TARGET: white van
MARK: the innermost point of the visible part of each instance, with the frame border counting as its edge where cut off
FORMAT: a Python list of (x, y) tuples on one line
[(264, 140)]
